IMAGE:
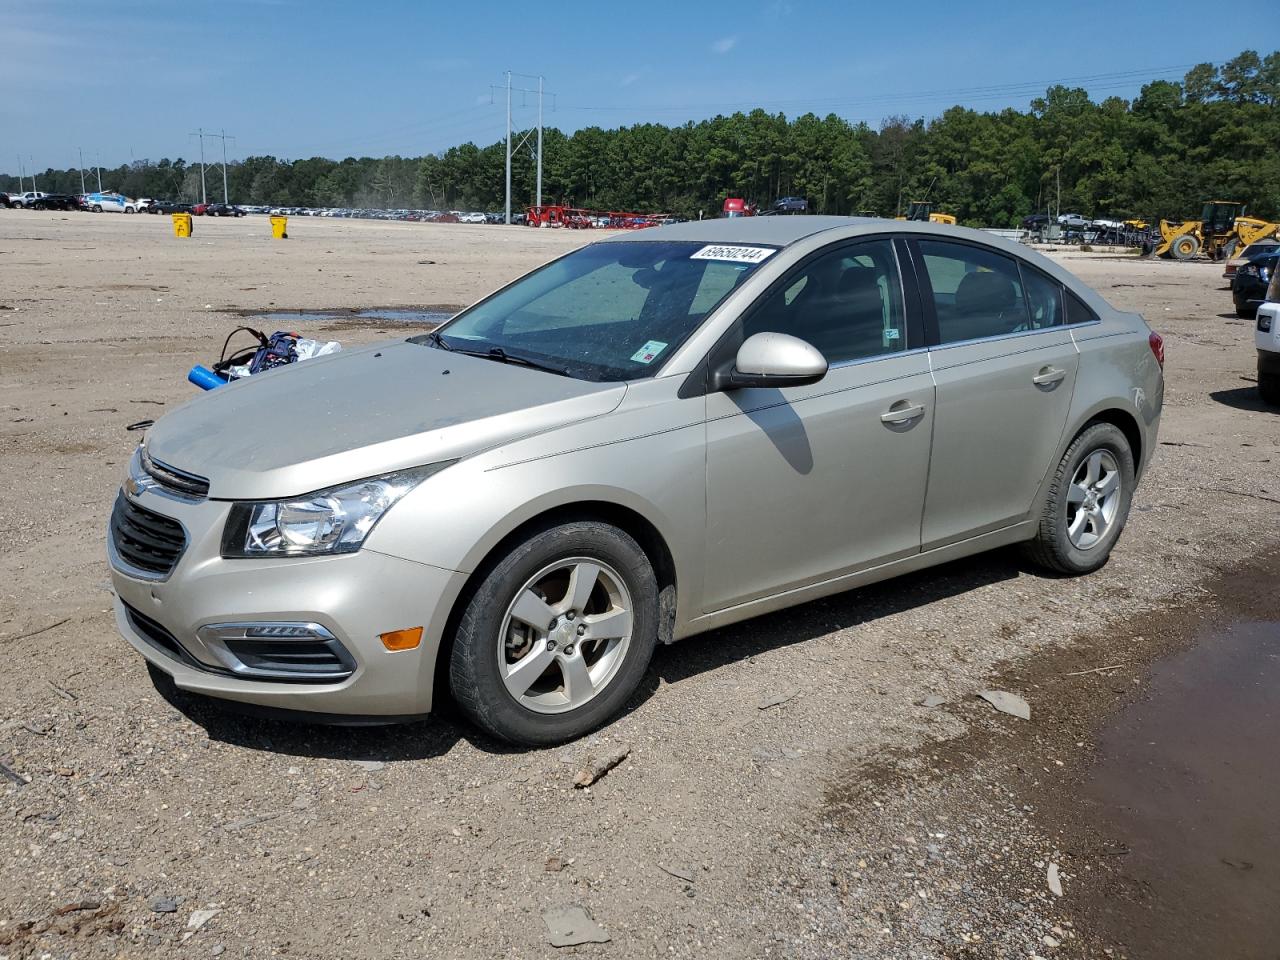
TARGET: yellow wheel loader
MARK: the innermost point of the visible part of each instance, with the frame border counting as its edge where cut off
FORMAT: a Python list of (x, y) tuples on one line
[(922, 210), (1221, 230)]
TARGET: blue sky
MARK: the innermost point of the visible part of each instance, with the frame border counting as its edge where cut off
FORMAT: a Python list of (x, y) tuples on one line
[(130, 79)]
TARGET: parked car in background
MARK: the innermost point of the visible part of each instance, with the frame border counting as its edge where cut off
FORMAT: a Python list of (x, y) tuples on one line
[(57, 201), (1249, 285), (1244, 256), (4, 201), (472, 217), (223, 210), (167, 206), (1073, 221), (25, 199), (1037, 221), (1267, 340), (647, 438), (109, 202)]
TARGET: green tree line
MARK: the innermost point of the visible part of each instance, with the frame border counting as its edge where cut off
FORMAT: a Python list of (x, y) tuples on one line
[(1215, 135)]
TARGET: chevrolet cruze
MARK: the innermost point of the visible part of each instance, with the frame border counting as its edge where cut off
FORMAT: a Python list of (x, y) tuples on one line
[(657, 434)]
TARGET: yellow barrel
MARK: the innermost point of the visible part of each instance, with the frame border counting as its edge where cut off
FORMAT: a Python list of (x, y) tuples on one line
[(278, 225), (182, 224)]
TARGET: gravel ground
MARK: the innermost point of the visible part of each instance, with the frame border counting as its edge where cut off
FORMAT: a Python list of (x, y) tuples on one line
[(785, 793)]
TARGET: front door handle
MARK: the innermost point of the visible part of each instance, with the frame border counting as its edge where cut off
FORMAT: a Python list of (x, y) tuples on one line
[(904, 411), (1048, 376)]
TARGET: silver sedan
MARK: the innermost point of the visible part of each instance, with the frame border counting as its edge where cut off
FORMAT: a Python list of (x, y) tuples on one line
[(655, 435)]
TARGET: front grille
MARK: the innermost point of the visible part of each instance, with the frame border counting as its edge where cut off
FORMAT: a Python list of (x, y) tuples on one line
[(178, 481), (145, 540), (302, 661)]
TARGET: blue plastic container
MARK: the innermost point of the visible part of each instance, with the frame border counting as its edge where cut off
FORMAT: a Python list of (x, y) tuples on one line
[(205, 379)]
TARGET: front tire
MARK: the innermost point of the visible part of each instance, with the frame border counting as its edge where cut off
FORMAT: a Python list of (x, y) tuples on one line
[(1185, 247), (1269, 388), (1088, 503), (557, 636)]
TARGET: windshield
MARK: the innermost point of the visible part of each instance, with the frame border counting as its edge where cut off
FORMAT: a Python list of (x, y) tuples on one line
[(610, 311)]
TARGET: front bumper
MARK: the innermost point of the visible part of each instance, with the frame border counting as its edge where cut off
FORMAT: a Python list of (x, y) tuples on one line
[(355, 597)]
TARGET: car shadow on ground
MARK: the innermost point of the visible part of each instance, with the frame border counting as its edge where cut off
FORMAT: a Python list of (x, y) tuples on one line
[(716, 648), (438, 734), (1242, 398)]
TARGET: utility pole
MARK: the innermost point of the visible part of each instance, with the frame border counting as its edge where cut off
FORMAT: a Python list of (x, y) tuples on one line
[(510, 150), (508, 220), (21, 174), (204, 197), (34, 185), (83, 191), (224, 138)]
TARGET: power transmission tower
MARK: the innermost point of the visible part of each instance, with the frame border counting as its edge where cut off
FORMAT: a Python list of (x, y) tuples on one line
[(204, 198), (510, 90), (224, 138)]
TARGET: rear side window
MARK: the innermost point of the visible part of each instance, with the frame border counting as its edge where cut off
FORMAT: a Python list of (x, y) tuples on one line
[(1077, 311), (977, 293), (1044, 299)]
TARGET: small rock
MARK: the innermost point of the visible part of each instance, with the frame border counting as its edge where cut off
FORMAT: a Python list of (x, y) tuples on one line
[(75, 906), (554, 865), (1051, 941), (218, 951), (571, 925), (778, 700), (371, 765), (1006, 702), (200, 917), (1052, 878), (933, 700), (164, 905)]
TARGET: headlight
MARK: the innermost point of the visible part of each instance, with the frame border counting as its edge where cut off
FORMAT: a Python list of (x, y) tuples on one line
[(1248, 270), (1264, 274), (330, 521)]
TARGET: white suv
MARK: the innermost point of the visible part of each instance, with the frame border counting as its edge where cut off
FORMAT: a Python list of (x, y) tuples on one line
[(1266, 337), (110, 203)]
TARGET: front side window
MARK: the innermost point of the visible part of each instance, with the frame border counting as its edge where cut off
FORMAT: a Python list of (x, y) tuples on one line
[(977, 293), (610, 311), (847, 303)]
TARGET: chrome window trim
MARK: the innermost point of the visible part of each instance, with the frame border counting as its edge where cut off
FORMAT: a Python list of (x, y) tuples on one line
[(1011, 336)]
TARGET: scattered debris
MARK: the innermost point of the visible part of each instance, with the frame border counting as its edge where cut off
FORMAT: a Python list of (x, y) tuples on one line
[(158, 403), (140, 425), (554, 865), (13, 775), (684, 874), (1051, 878), (33, 633), (1081, 673), (571, 925), (778, 700), (594, 768), (244, 822), (200, 917), (164, 905), (373, 766), (75, 906), (62, 692), (933, 700), (1006, 702)]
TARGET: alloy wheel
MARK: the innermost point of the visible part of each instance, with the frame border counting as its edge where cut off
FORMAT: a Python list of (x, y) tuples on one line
[(1093, 499), (565, 635)]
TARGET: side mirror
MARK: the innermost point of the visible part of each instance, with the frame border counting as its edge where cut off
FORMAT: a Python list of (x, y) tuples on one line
[(772, 360)]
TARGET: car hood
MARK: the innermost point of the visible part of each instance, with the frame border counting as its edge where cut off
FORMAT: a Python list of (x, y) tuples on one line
[(361, 413)]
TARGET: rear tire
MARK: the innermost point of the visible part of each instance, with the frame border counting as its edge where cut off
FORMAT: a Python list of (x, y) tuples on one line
[(1245, 312), (1185, 247), (573, 681), (1081, 520), (1269, 388)]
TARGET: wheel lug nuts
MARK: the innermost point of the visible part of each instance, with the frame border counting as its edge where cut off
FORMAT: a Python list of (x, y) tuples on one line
[(582, 628), (569, 615), (568, 651)]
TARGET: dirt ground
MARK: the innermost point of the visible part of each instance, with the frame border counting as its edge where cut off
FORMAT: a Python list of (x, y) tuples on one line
[(786, 792)]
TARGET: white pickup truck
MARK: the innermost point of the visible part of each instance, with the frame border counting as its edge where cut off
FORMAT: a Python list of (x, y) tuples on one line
[(25, 200), (1266, 337)]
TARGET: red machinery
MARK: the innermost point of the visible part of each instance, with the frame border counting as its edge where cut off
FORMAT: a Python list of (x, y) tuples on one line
[(737, 207), (579, 218)]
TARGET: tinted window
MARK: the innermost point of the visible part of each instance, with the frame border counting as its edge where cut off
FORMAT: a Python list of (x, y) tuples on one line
[(1044, 299), (1077, 312), (847, 303), (977, 293)]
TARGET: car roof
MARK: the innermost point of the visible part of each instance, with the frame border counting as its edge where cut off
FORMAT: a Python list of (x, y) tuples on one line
[(776, 231)]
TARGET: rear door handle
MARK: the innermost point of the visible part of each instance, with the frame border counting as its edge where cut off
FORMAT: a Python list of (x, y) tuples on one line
[(904, 411), (1048, 376)]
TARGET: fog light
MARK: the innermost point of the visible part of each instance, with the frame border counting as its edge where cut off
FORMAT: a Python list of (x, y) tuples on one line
[(407, 639)]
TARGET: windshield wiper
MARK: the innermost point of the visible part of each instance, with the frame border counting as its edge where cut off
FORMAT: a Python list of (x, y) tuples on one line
[(436, 340), (497, 353)]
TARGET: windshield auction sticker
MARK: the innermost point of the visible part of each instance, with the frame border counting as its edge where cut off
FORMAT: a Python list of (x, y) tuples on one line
[(717, 251), (649, 352)]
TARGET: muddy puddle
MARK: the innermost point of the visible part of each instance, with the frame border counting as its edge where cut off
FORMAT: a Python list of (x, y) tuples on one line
[(1187, 790), (372, 317)]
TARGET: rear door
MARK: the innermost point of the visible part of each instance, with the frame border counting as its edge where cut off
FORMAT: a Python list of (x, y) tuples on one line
[(1004, 365), (808, 483)]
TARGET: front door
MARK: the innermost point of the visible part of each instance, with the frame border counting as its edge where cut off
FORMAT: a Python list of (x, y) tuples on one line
[(807, 483)]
